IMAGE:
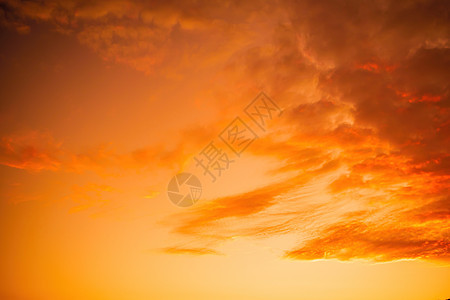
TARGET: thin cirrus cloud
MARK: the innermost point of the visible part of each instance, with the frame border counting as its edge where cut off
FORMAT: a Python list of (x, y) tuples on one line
[(190, 251), (366, 122)]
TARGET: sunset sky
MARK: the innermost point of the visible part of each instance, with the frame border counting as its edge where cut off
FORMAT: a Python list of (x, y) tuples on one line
[(343, 193)]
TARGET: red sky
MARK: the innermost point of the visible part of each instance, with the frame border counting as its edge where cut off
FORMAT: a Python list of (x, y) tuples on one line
[(343, 195)]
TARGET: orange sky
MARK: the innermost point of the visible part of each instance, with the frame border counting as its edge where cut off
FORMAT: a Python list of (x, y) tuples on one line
[(345, 195)]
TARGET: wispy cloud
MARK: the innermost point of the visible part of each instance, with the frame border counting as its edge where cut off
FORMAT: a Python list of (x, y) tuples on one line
[(190, 251)]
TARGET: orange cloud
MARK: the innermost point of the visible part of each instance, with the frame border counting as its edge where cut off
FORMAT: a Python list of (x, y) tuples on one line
[(190, 251), (37, 151), (358, 240), (33, 151), (365, 132)]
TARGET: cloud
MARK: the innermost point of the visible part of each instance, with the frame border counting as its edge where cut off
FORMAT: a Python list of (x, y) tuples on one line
[(358, 240), (33, 151), (365, 132), (266, 211), (190, 251), (165, 37), (38, 151), (376, 101)]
